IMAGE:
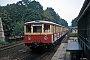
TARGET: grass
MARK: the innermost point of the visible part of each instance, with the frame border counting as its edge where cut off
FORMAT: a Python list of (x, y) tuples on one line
[(73, 34)]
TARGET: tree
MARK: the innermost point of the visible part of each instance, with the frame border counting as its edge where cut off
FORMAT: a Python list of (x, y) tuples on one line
[(63, 22), (47, 15), (30, 14), (6, 21), (26, 2), (57, 19), (74, 22), (19, 3), (54, 14), (15, 11), (36, 6), (17, 27)]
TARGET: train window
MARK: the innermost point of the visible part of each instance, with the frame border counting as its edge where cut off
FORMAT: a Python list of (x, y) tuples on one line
[(28, 28), (46, 28), (37, 28)]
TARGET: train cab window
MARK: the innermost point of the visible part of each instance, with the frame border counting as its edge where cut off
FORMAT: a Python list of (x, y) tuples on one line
[(28, 28), (46, 28), (37, 28)]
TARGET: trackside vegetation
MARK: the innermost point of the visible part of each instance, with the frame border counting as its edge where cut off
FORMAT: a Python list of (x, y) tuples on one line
[(3, 43), (73, 34)]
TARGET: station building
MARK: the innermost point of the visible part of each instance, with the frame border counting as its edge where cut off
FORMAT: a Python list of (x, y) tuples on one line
[(84, 28)]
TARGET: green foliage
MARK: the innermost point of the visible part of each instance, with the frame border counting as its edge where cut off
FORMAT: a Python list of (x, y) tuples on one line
[(53, 13), (73, 34), (6, 21), (63, 23), (26, 2), (74, 22), (17, 27), (36, 6), (50, 14), (3, 43), (47, 15), (30, 14)]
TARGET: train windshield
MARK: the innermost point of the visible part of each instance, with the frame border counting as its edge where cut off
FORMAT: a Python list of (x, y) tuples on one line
[(37, 27), (28, 28)]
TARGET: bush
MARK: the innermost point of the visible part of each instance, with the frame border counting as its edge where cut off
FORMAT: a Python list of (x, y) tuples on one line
[(3, 43)]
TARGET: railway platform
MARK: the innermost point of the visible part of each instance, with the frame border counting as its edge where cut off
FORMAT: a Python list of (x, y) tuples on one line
[(61, 53)]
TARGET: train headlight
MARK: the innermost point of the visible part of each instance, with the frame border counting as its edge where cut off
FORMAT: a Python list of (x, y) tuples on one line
[(45, 37), (29, 38)]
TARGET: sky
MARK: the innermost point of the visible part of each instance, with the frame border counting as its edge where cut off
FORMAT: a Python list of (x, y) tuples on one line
[(67, 9)]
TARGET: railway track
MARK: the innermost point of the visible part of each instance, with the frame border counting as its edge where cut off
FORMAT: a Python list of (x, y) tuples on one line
[(48, 55), (39, 56), (42, 56), (11, 45), (12, 51), (15, 52)]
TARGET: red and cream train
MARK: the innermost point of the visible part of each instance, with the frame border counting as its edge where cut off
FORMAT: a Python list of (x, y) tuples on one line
[(42, 33)]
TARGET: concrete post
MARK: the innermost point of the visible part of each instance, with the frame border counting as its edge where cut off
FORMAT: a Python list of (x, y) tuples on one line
[(2, 37)]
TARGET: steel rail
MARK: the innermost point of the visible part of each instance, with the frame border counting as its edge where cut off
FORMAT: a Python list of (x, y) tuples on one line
[(11, 45)]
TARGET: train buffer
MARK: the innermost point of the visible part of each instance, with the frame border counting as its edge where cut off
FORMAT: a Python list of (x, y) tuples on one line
[(75, 50)]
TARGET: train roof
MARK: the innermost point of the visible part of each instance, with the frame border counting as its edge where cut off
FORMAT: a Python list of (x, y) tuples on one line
[(42, 21)]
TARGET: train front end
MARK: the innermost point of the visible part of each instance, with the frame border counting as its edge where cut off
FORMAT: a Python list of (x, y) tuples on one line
[(37, 34)]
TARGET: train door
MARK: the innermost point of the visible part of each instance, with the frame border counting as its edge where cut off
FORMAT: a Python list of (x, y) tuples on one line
[(54, 33)]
